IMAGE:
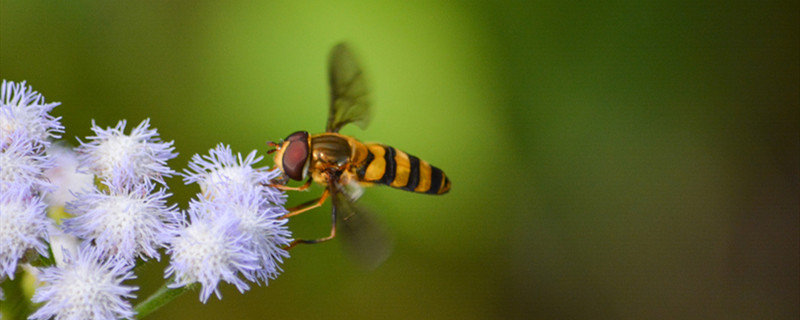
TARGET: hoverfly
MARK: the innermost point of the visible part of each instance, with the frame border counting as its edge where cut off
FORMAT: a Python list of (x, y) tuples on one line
[(343, 164)]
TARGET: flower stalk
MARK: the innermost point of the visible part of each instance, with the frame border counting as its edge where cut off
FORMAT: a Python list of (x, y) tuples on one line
[(163, 296)]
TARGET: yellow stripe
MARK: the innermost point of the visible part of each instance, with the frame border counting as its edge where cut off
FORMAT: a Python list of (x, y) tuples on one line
[(402, 169), (445, 185), (424, 177), (378, 165)]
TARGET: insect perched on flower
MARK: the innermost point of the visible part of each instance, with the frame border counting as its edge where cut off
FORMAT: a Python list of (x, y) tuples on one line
[(343, 164)]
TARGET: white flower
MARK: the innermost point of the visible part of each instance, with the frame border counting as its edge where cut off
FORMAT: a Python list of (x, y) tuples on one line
[(209, 250), (22, 166), (233, 189), (258, 219), (23, 226), (64, 176), (123, 222), (23, 111), (87, 286), (221, 174), (60, 239), (132, 159)]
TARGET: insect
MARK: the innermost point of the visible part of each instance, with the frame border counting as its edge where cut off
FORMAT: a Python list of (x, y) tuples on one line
[(344, 164)]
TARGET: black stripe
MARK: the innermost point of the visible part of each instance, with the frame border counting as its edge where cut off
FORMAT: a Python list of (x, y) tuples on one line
[(436, 180), (413, 175), (391, 166), (362, 171)]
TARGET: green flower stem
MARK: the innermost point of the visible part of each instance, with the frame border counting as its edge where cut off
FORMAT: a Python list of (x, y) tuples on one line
[(160, 298)]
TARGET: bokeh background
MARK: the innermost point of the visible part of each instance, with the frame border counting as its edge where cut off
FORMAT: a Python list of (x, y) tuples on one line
[(610, 160)]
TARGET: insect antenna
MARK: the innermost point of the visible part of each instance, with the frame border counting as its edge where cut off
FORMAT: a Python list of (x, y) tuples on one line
[(275, 147)]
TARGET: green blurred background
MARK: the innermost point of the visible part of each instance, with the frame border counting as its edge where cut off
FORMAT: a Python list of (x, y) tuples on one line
[(610, 160)]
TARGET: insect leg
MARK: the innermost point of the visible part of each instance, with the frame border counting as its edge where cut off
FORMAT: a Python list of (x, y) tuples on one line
[(329, 237), (287, 188), (307, 206)]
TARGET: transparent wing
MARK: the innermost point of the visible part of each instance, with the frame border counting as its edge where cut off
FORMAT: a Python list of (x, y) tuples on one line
[(349, 94), (364, 239)]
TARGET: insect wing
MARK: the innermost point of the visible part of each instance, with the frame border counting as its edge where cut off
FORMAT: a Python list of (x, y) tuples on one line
[(349, 95), (363, 237)]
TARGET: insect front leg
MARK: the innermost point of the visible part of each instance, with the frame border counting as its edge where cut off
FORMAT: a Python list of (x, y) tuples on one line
[(308, 205), (288, 188)]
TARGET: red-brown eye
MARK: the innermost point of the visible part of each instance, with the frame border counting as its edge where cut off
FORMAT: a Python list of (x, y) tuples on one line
[(296, 155)]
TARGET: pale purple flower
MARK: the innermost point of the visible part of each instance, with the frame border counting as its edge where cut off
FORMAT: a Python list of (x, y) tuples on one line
[(22, 166), (121, 221), (210, 249), (221, 174), (87, 286), (233, 188), (64, 176), (23, 226), (133, 159), (57, 238), (258, 219), (24, 112)]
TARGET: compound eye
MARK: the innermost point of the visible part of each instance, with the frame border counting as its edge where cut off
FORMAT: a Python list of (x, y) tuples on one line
[(296, 155), (298, 136)]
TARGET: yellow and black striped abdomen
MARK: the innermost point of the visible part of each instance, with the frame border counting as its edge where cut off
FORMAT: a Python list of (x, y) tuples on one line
[(397, 169)]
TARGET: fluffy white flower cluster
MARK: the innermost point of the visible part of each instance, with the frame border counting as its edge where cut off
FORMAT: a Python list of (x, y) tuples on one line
[(113, 191), (233, 227), (25, 131)]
